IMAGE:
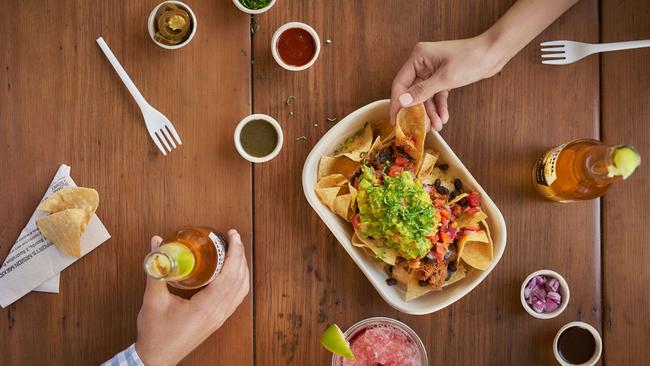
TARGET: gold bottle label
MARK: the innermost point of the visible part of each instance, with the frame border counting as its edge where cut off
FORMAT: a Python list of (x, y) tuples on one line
[(545, 169)]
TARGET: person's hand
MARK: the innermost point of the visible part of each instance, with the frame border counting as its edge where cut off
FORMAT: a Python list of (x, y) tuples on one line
[(434, 68), (170, 327)]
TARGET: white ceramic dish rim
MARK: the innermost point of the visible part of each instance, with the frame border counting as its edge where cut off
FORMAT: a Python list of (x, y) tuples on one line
[(152, 32), (342, 231), (599, 344), (246, 10), (253, 117), (336, 359), (274, 43), (565, 292)]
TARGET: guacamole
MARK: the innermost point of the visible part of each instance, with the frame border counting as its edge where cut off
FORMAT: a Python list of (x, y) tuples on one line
[(399, 211)]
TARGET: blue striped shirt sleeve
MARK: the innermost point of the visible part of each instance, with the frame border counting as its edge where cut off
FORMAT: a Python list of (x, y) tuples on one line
[(128, 357)]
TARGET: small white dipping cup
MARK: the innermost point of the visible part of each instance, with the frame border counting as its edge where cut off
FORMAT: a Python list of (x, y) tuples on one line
[(564, 292), (152, 29), (240, 148), (241, 7), (599, 344), (276, 37)]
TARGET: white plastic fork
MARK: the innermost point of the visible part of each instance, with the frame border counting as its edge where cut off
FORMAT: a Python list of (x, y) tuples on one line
[(566, 52), (159, 127)]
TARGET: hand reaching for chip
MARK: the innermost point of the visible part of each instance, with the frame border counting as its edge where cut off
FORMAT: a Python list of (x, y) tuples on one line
[(170, 327)]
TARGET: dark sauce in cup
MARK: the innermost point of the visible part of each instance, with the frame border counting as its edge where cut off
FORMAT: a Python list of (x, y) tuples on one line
[(258, 138), (576, 345), (296, 47)]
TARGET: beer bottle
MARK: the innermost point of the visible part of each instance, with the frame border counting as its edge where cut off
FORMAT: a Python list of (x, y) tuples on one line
[(583, 169), (188, 259)]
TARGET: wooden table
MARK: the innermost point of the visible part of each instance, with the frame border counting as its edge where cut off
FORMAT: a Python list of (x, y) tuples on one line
[(60, 102)]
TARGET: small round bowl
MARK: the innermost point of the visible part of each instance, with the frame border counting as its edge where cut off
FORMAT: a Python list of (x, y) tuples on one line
[(241, 7), (152, 30), (276, 37), (564, 292), (254, 117), (380, 320), (599, 344)]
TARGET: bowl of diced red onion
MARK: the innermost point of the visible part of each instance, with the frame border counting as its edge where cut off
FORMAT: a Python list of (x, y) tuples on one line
[(544, 294)]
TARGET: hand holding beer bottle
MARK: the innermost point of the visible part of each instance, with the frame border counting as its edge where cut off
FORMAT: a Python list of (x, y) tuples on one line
[(170, 327)]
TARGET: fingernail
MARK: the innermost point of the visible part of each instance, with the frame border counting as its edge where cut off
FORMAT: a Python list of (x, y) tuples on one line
[(405, 99)]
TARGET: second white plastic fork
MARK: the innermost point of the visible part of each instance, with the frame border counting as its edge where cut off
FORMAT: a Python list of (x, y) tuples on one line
[(566, 52), (161, 130)]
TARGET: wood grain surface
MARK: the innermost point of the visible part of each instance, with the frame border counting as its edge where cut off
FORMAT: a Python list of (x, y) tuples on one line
[(625, 120), (304, 280), (61, 102)]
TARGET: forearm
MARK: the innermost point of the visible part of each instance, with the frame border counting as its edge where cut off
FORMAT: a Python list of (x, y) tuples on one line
[(520, 24)]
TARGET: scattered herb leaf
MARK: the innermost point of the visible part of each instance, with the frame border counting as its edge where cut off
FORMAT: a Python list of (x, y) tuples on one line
[(303, 137), (243, 52), (260, 77), (331, 119), (290, 100), (255, 27)]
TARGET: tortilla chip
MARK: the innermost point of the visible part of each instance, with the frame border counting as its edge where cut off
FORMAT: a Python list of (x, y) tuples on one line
[(332, 180), (475, 249), (413, 288), (86, 199), (64, 229), (458, 198), (466, 220), (383, 129), (480, 236), (329, 165), (410, 131), (345, 204), (357, 146), (380, 251), (460, 273), (428, 162), (328, 195)]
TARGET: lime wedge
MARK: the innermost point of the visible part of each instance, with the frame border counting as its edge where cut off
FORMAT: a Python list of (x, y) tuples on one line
[(334, 340), (626, 160)]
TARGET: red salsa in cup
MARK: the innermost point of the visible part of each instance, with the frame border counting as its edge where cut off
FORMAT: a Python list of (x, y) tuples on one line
[(296, 47)]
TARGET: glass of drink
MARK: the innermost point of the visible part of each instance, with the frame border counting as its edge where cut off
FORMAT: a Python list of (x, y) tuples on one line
[(383, 341), (577, 344)]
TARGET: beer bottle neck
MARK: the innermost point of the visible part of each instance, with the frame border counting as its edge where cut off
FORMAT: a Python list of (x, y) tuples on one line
[(609, 164), (171, 262)]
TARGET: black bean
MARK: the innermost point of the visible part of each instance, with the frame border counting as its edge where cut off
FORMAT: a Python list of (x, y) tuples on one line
[(423, 283), (385, 155), (391, 281), (436, 183), (451, 267), (448, 276), (458, 184), (425, 260), (450, 254), (390, 269), (443, 167), (453, 195), (442, 190), (463, 201)]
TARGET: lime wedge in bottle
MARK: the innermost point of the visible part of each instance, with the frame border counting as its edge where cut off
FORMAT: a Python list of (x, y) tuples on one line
[(626, 160), (335, 342)]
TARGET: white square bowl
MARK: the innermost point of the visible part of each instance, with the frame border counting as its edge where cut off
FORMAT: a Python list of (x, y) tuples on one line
[(342, 230)]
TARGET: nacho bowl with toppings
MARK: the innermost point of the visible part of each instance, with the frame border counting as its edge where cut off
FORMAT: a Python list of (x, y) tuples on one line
[(404, 207)]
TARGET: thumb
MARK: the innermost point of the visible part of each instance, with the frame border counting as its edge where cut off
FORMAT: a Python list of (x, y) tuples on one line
[(421, 91), (155, 287)]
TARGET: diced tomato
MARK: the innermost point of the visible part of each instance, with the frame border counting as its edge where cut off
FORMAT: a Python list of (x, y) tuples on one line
[(456, 210), (395, 170), (440, 253), (474, 199), (445, 237), (401, 161), (471, 211), (356, 221), (445, 213), (437, 203)]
